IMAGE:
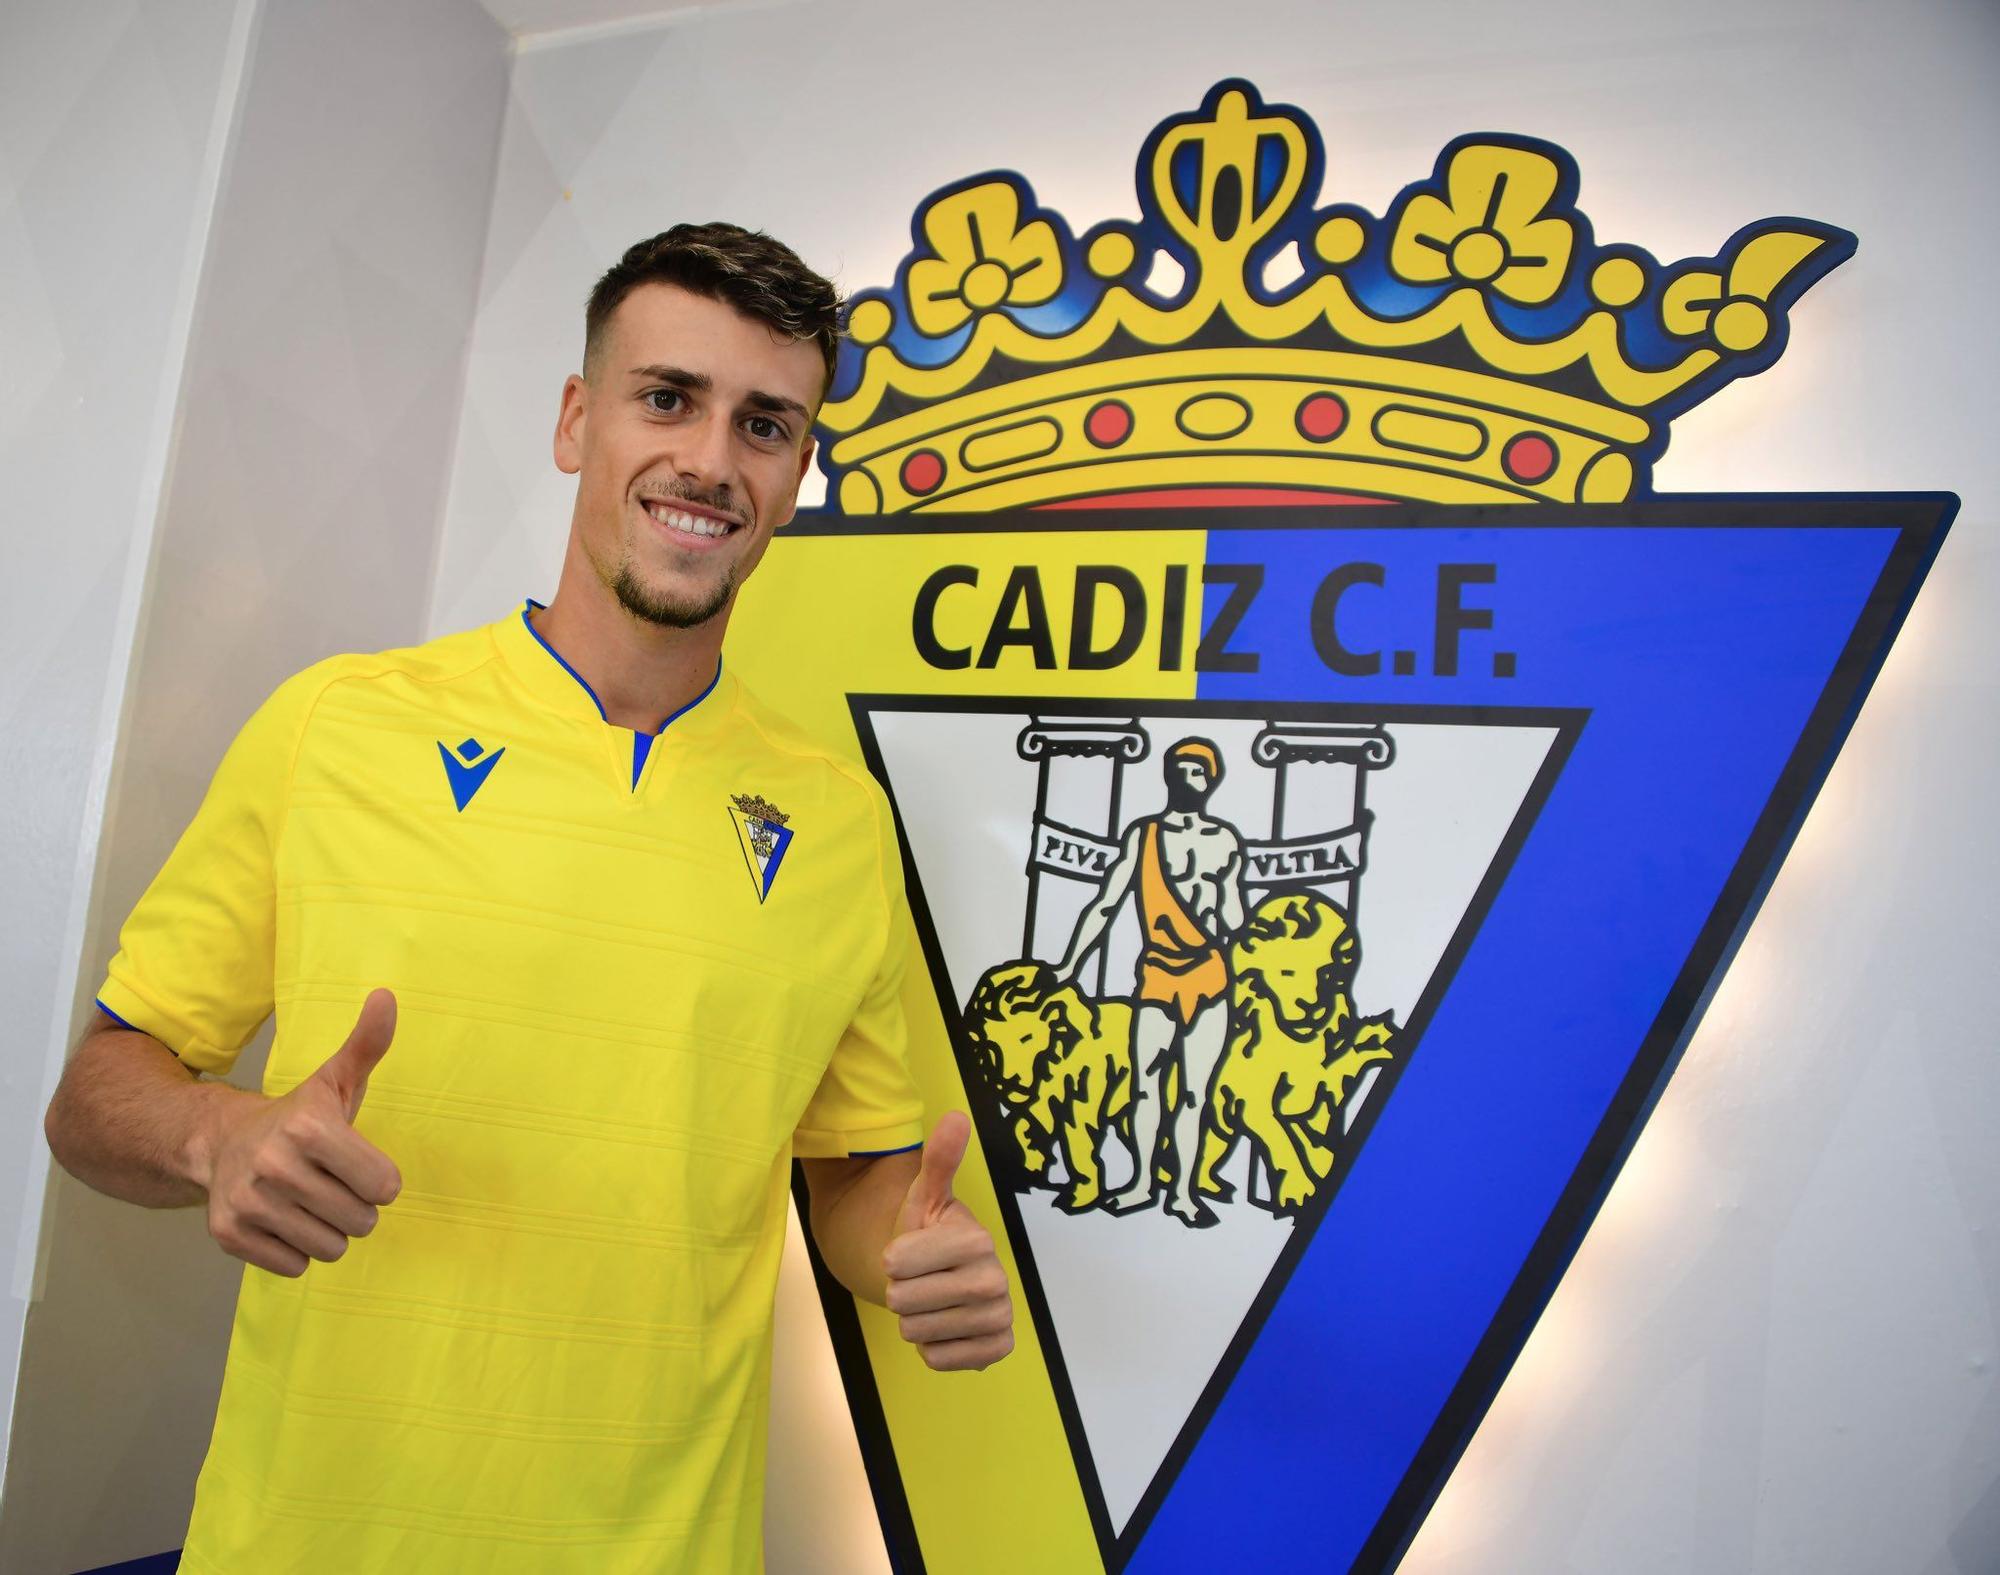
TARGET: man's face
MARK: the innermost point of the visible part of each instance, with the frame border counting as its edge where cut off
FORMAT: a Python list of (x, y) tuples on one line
[(688, 438), (1187, 783)]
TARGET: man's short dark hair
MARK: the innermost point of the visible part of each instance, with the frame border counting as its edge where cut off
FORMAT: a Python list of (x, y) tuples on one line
[(745, 269)]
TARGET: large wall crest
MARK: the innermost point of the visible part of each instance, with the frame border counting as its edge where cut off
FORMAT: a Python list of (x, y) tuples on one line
[(1332, 779)]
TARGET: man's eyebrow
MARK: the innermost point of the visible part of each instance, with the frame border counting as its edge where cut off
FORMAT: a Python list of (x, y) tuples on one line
[(678, 376), (777, 404), (702, 383)]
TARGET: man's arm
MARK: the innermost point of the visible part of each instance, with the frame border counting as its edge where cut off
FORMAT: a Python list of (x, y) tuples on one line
[(892, 1233), (131, 1121), (285, 1180), (1098, 912)]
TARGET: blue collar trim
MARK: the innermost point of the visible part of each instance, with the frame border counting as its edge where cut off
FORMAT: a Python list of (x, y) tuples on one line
[(697, 700), (526, 623)]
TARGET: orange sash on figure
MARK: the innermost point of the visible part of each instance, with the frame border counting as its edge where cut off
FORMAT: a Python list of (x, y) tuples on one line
[(1181, 968)]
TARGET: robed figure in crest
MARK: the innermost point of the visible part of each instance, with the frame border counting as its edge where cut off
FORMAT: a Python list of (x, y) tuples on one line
[(1187, 869)]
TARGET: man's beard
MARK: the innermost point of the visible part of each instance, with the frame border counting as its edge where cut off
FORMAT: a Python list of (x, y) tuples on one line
[(641, 601), (1184, 797)]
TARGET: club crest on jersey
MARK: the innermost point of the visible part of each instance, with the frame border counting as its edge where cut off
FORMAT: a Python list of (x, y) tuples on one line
[(764, 836), (466, 768)]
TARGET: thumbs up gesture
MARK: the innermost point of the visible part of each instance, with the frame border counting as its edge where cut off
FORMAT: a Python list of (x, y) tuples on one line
[(290, 1179), (944, 1279)]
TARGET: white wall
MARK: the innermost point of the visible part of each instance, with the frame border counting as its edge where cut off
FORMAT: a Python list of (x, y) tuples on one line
[(112, 129), (318, 399), (1776, 1350)]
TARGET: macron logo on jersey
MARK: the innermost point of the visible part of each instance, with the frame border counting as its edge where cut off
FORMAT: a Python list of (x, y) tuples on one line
[(466, 770)]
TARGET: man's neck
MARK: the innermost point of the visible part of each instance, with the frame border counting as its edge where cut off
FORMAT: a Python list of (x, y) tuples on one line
[(641, 672)]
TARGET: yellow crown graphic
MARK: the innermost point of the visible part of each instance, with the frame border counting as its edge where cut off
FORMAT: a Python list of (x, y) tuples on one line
[(1473, 345)]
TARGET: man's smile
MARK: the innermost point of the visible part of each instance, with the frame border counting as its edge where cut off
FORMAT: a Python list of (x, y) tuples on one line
[(690, 522)]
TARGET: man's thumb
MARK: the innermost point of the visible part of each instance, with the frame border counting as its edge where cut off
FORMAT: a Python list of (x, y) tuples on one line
[(348, 1067), (930, 1193)]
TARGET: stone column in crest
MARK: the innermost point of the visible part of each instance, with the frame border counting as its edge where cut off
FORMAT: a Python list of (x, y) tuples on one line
[(1078, 814), (1319, 811)]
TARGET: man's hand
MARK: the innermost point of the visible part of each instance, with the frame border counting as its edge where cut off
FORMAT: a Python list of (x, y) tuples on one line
[(945, 1281), (289, 1179)]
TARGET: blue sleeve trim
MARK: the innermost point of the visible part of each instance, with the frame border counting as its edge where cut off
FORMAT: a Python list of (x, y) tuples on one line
[(877, 1153), (119, 1020)]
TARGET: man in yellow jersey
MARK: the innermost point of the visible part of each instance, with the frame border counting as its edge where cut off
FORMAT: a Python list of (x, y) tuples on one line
[(1188, 870), (622, 944)]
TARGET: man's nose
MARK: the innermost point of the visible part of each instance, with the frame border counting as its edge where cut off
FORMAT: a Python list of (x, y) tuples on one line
[(703, 458)]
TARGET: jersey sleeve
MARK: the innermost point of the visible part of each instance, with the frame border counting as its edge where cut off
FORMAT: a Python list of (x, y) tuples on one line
[(867, 1103), (195, 957)]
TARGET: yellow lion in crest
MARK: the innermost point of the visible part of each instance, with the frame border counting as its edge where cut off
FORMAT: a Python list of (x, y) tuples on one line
[(1062, 1066), (1061, 1062), (1295, 1047)]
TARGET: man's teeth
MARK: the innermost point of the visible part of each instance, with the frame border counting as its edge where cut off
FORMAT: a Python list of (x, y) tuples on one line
[(693, 524)]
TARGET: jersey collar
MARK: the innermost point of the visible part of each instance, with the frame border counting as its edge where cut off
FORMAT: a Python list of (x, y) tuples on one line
[(556, 684)]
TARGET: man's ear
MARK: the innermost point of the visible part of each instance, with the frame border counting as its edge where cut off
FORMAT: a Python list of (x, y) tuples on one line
[(569, 425), (806, 451)]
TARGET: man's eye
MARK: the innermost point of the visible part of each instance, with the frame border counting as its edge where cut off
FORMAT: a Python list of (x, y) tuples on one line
[(664, 399), (765, 430)]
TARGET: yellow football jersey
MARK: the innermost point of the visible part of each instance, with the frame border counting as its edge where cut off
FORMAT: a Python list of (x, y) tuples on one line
[(635, 975)]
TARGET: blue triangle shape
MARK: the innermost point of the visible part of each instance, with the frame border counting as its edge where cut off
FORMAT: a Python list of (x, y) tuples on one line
[(1721, 647)]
